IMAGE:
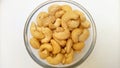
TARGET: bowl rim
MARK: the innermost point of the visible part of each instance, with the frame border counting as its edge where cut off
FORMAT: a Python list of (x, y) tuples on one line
[(52, 1)]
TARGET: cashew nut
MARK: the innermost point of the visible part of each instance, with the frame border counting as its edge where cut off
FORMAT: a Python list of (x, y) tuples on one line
[(53, 9), (68, 16), (34, 43), (59, 13), (69, 45), (81, 14), (48, 34), (56, 24), (56, 47), (63, 60), (78, 46), (75, 34), (62, 35), (59, 29), (55, 60), (34, 32), (84, 35), (63, 51), (85, 24), (46, 46), (43, 54), (73, 24), (69, 57), (66, 8)]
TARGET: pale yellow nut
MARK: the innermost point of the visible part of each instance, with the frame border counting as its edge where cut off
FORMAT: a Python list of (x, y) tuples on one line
[(68, 16), (47, 33), (59, 13), (85, 24), (57, 22), (81, 14), (63, 51), (62, 35), (69, 57), (84, 35), (61, 42), (73, 24), (75, 34), (55, 60), (66, 8), (78, 46), (43, 54), (59, 29), (34, 43), (53, 9), (51, 26), (34, 32), (69, 45), (56, 47), (40, 16), (46, 46)]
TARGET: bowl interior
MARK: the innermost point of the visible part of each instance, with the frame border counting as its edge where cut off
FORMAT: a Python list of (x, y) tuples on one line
[(78, 57)]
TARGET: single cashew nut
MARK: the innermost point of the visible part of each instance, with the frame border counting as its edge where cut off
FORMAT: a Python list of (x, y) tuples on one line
[(46, 46), (55, 60), (66, 8), (73, 24), (78, 46), (59, 13), (48, 35), (84, 35), (34, 32), (69, 45), (34, 43), (68, 16), (69, 57), (81, 14), (57, 22), (56, 47), (53, 9), (59, 29), (43, 54), (62, 35), (75, 34), (85, 24)]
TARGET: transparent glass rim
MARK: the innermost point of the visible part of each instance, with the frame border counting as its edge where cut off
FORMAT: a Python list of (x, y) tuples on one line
[(25, 34)]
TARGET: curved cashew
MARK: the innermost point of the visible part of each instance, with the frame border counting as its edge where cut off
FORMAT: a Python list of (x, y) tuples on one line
[(56, 24), (48, 35), (69, 45), (55, 60), (46, 46), (53, 9), (34, 32), (56, 47), (59, 13), (59, 29), (43, 54), (81, 14), (78, 46), (75, 34), (40, 17), (69, 57), (62, 35), (34, 43), (84, 35), (61, 42), (85, 24), (66, 8), (67, 16), (73, 24)]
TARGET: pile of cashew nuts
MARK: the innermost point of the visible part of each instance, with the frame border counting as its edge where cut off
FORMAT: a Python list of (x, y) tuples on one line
[(59, 33)]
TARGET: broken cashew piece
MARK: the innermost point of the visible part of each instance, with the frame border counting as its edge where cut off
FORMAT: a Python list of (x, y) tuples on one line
[(34, 43), (55, 60), (62, 35), (75, 34), (34, 32), (48, 35), (43, 54), (78, 46), (69, 45), (56, 47), (46, 46), (84, 35)]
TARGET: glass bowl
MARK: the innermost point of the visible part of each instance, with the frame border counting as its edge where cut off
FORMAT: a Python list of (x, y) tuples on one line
[(79, 57)]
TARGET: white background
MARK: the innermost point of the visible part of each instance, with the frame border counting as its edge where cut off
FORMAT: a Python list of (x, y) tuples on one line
[(13, 14)]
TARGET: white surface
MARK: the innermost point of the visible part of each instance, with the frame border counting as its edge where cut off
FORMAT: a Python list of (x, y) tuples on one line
[(13, 14)]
